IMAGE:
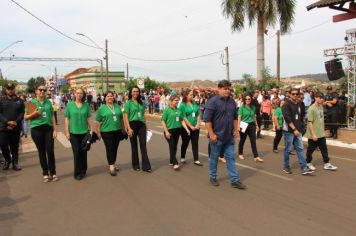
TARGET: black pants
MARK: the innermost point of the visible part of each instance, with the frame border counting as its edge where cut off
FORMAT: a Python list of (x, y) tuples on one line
[(9, 143), (194, 138), (139, 131), (111, 141), (42, 136), (173, 143), (277, 139), (251, 133), (332, 119), (259, 123), (312, 145), (80, 156), (55, 117), (265, 118)]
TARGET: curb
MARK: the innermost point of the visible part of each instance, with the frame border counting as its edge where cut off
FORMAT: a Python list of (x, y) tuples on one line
[(272, 134)]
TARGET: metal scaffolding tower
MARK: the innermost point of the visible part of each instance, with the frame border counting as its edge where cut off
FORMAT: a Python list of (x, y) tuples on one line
[(349, 52)]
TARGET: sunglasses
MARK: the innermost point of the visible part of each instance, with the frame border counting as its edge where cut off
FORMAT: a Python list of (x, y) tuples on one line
[(247, 99), (294, 94), (42, 90)]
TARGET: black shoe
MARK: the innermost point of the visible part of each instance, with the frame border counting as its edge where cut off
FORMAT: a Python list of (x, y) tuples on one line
[(259, 136), (148, 171), (6, 165), (16, 167), (214, 182), (112, 173), (238, 185), (78, 177)]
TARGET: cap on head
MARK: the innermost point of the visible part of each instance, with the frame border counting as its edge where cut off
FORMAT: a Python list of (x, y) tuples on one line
[(329, 88), (10, 86)]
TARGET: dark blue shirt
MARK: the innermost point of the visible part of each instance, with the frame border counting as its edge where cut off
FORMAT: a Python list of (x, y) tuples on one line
[(221, 113)]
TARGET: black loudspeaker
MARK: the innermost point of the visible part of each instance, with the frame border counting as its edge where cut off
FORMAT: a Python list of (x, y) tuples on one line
[(334, 69)]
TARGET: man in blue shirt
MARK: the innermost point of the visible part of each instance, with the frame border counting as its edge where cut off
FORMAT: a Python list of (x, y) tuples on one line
[(220, 119)]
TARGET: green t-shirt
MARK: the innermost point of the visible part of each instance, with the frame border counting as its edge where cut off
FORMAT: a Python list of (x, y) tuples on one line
[(46, 111), (134, 111), (190, 112), (172, 117), (279, 115), (110, 119), (316, 116), (247, 114), (78, 117)]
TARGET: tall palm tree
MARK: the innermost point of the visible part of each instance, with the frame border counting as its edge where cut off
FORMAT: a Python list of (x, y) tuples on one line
[(266, 12)]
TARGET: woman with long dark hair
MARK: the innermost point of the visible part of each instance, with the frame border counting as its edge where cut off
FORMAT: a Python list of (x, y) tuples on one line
[(248, 126), (43, 133), (172, 123), (191, 114), (77, 125), (109, 127), (134, 117)]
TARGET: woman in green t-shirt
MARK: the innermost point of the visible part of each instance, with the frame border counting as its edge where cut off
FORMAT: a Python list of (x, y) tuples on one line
[(43, 132), (134, 117), (77, 125), (248, 127), (278, 122), (190, 111), (172, 122), (109, 127)]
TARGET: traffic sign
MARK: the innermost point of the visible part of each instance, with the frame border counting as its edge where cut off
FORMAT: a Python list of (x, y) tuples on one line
[(141, 83)]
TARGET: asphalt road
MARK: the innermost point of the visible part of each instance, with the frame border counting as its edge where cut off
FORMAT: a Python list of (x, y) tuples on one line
[(168, 202)]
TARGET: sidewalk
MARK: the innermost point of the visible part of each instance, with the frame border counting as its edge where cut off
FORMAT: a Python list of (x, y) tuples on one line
[(346, 138)]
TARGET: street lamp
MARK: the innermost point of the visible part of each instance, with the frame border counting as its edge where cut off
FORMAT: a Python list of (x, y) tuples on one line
[(11, 44), (106, 58)]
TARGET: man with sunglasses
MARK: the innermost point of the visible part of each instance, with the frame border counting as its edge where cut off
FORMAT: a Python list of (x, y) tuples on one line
[(292, 132), (12, 111)]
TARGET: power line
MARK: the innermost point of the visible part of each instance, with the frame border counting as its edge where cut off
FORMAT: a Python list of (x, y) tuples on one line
[(310, 28), (115, 52)]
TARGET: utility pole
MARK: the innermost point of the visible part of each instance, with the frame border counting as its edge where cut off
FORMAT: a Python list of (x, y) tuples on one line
[(56, 80), (227, 63), (278, 58), (127, 71), (107, 64)]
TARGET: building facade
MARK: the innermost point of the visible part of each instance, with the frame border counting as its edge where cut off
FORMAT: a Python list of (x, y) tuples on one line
[(94, 81)]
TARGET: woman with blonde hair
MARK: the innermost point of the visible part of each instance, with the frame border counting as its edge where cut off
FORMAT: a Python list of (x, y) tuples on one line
[(172, 123), (77, 125)]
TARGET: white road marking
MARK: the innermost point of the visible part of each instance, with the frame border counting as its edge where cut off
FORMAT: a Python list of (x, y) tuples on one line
[(63, 140)]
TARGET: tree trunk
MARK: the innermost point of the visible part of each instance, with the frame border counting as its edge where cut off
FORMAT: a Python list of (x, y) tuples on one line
[(260, 47)]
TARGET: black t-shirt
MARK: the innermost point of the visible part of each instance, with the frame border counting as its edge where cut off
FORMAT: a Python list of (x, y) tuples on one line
[(11, 109)]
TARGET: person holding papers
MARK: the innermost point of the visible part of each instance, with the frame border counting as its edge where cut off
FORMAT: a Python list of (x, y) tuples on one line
[(248, 126), (134, 117)]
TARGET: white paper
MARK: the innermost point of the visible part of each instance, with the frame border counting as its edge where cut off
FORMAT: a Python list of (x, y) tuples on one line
[(243, 126), (148, 136)]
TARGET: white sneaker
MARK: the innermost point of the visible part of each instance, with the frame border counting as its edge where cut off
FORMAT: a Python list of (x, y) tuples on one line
[(182, 160), (328, 166), (176, 167), (310, 166)]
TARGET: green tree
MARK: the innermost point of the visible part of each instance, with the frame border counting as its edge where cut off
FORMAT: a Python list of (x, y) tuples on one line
[(266, 13), (249, 82), (268, 81), (33, 82)]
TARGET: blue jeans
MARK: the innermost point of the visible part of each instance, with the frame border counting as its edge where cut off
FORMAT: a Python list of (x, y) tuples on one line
[(291, 140), (228, 148)]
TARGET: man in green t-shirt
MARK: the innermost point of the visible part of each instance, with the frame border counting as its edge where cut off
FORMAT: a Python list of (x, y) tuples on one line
[(316, 133)]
